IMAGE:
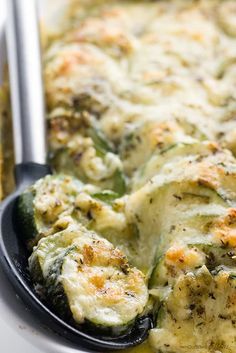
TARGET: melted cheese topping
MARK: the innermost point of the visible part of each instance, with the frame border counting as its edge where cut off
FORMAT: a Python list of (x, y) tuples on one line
[(130, 61), (202, 317), (155, 83), (97, 281), (104, 290)]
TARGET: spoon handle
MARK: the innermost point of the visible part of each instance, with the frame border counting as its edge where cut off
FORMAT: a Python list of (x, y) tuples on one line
[(27, 94)]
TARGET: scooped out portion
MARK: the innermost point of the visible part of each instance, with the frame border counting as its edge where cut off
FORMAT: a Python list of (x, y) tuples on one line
[(88, 280)]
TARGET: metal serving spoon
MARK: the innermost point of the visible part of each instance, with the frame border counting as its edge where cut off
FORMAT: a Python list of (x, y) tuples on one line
[(30, 155)]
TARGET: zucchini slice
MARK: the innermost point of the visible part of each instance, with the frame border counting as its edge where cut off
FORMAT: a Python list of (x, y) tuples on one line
[(153, 137), (189, 152), (147, 138), (198, 314), (40, 206), (179, 260), (53, 202), (89, 280), (165, 210)]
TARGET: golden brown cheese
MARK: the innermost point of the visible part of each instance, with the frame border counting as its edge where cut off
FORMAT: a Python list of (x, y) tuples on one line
[(156, 81), (88, 276), (145, 59)]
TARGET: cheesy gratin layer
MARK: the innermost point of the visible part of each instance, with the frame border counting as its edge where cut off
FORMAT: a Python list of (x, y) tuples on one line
[(141, 99)]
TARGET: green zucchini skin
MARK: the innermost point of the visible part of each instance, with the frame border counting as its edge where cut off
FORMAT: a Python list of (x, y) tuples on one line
[(36, 270), (58, 299), (119, 183), (53, 202), (25, 215), (89, 281), (106, 196), (54, 288), (102, 145), (41, 205)]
